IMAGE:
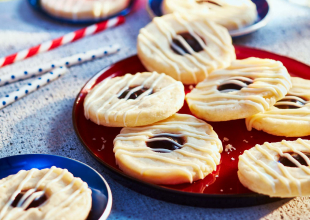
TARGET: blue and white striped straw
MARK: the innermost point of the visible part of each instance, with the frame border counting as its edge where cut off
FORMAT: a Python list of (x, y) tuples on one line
[(67, 61), (30, 87)]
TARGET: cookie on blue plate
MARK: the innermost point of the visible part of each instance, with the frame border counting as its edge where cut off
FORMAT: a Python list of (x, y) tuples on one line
[(232, 14), (44, 194)]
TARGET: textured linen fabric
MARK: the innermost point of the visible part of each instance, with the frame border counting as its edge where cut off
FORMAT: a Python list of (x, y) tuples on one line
[(42, 122)]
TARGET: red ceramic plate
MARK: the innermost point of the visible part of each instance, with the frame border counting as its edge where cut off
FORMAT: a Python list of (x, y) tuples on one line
[(219, 189)]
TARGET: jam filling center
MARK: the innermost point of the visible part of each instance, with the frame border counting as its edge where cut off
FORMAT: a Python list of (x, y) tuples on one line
[(36, 202), (132, 93), (165, 143), (233, 85), (291, 102), (178, 47), (206, 1), (288, 163)]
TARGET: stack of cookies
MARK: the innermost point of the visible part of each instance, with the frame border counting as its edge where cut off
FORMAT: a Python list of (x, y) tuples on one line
[(160, 146)]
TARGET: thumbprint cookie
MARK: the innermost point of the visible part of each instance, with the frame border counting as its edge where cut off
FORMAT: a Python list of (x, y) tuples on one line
[(180, 149), (290, 116), (232, 14), (49, 194), (185, 48), (277, 169), (83, 9), (134, 100), (245, 88)]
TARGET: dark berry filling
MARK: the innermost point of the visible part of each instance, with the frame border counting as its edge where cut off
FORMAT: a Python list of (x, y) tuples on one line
[(206, 1), (296, 102), (288, 163), (179, 48), (39, 200), (165, 143), (231, 87), (132, 95)]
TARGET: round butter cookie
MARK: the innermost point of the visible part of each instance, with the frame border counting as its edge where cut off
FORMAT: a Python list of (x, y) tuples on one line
[(180, 149), (232, 14), (277, 169), (49, 194), (83, 9), (134, 100), (290, 116), (245, 88), (185, 48)]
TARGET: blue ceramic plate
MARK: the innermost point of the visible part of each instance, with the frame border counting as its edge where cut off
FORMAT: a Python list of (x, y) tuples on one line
[(37, 6), (101, 193), (263, 11)]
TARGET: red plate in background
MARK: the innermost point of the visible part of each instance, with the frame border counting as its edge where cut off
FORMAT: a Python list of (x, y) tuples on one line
[(219, 189)]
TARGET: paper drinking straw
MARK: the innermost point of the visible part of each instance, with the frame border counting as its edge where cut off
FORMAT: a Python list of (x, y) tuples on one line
[(30, 87), (67, 61), (68, 38)]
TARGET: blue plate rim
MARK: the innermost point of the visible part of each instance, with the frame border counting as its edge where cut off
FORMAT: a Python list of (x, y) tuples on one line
[(108, 208), (234, 33), (123, 12)]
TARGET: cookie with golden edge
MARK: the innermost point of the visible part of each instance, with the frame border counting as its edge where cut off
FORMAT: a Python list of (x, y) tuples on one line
[(78, 10), (231, 14), (134, 100), (180, 149), (290, 116), (44, 194), (279, 169), (184, 47), (245, 88)]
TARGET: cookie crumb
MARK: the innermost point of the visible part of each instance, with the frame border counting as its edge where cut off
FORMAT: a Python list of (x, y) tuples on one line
[(251, 136), (230, 188), (94, 139), (103, 140), (225, 139), (232, 158), (217, 176), (245, 141), (222, 190), (229, 147), (191, 87), (102, 148)]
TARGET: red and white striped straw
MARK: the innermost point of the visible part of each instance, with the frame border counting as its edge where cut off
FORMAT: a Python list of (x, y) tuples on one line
[(68, 38)]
